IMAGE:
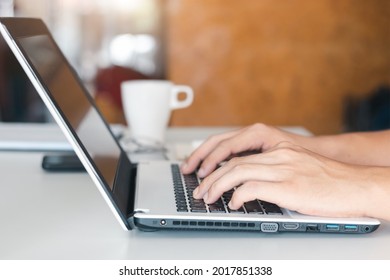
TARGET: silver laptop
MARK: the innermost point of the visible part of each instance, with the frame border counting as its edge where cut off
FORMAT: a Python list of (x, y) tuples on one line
[(152, 195)]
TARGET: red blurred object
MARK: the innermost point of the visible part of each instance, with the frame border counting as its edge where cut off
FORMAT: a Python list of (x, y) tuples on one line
[(108, 83)]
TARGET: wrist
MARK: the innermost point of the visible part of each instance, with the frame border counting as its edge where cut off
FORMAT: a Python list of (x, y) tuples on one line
[(332, 146), (377, 193)]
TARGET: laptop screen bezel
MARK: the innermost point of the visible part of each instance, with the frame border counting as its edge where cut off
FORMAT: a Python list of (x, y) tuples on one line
[(17, 28)]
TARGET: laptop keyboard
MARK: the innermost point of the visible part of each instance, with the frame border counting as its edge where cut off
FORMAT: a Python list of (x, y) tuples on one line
[(184, 185)]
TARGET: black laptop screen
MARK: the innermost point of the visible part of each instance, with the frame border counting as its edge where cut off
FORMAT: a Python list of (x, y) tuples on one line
[(70, 98)]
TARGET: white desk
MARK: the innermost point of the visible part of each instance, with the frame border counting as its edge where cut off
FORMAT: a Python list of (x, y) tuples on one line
[(62, 216)]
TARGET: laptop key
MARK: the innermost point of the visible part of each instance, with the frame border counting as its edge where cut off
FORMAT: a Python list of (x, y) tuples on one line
[(216, 208), (253, 207), (199, 210), (197, 204), (271, 208), (183, 190), (239, 210)]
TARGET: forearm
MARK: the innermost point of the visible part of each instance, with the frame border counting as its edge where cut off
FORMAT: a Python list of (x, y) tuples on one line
[(364, 148)]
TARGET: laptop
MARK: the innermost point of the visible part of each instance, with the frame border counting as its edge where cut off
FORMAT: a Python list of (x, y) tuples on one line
[(150, 195)]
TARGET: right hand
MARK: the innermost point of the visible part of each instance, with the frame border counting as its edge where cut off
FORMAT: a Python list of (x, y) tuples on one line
[(300, 180), (217, 148)]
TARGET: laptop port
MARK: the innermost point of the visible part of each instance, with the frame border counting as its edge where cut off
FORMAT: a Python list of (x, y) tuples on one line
[(290, 226), (312, 228), (269, 227), (367, 229), (350, 228), (332, 227)]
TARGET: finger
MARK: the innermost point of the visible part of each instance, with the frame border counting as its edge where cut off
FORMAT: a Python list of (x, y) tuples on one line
[(204, 150), (238, 143), (208, 181), (273, 192), (203, 188), (242, 174), (257, 163), (286, 196)]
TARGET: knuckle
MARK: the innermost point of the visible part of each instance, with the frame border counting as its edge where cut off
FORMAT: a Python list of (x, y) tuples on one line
[(212, 138), (224, 144), (248, 186), (238, 168), (236, 165), (284, 144), (287, 150), (258, 126), (231, 163), (258, 129), (243, 189)]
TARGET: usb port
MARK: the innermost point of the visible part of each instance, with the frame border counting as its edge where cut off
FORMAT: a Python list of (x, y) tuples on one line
[(350, 228), (332, 227)]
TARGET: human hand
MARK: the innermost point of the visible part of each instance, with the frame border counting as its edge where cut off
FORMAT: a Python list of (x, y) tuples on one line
[(217, 148), (294, 178)]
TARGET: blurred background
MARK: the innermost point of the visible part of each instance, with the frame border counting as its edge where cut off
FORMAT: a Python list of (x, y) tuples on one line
[(322, 64)]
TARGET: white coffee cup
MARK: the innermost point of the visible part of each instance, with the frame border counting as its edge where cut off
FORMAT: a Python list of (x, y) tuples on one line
[(147, 105)]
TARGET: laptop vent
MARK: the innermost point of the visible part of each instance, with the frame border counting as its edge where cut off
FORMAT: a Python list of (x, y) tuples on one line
[(216, 224)]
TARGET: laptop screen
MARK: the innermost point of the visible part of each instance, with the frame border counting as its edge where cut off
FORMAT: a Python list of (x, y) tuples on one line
[(70, 103), (69, 96), (71, 100)]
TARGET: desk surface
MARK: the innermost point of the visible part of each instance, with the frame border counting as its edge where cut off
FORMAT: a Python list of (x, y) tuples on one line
[(63, 216)]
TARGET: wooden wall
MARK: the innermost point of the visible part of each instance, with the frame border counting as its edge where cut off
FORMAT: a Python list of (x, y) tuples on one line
[(286, 62)]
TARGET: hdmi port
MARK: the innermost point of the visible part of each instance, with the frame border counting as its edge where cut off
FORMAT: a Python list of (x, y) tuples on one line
[(290, 226)]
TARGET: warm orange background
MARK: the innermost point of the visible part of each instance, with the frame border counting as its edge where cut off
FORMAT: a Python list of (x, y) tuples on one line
[(285, 62)]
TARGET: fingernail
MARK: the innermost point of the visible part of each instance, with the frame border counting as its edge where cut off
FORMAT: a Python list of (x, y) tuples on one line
[(184, 166), (230, 205), (202, 172)]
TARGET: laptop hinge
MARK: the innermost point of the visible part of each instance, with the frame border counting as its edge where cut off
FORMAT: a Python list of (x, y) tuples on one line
[(130, 221), (132, 183)]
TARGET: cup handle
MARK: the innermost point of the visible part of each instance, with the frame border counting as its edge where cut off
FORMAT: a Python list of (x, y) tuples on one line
[(178, 104)]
